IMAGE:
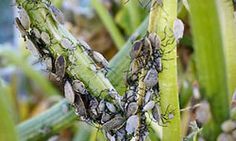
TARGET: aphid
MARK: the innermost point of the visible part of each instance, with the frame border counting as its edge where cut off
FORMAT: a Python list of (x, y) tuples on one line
[(203, 113), (136, 49), (120, 134), (79, 86), (93, 104), (84, 45), (151, 78), (228, 126), (36, 33), (155, 40), (114, 124), (105, 117), (101, 106), (178, 29), (132, 124), (45, 37), (156, 113), (57, 14), (21, 28), (24, 18), (134, 66), (132, 108), (148, 47), (32, 48), (111, 107), (110, 137), (60, 65), (147, 96), (79, 105), (148, 106), (69, 93), (158, 64), (225, 137), (67, 44), (99, 58)]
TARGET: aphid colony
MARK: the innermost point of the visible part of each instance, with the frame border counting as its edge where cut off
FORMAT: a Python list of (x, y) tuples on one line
[(119, 120)]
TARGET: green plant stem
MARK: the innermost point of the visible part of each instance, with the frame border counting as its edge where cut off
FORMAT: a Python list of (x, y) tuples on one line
[(160, 18), (48, 123), (228, 36), (210, 62), (109, 23), (7, 129)]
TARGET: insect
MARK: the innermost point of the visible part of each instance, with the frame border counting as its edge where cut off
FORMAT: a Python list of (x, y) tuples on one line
[(84, 45), (154, 40), (132, 124), (151, 78), (101, 106), (45, 38), (110, 137), (24, 18), (80, 107), (105, 117), (60, 66), (67, 44), (20, 27), (114, 124), (136, 49), (32, 48), (93, 104), (57, 14), (120, 134), (100, 60), (131, 109), (178, 29), (79, 86), (36, 32), (69, 93), (111, 107), (148, 106), (156, 113), (148, 96), (158, 64)]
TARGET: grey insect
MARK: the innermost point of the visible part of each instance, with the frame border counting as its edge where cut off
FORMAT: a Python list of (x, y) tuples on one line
[(156, 113), (148, 96), (24, 18), (21, 28), (228, 126), (57, 14), (99, 58), (69, 93), (131, 109), (114, 124), (110, 137), (151, 78), (79, 86), (80, 107), (84, 45), (120, 134), (32, 48), (136, 49), (134, 67), (155, 40), (111, 107), (60, 66), (67, 44), (93, 104), (132, 124), (105, 117), (45, 37), (148, 47), (101, 106), (158, 64), (48, 63), (178, 29), (36, 32), (149, 106)]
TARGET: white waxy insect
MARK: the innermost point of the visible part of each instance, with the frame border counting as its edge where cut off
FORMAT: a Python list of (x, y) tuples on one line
[(24, 18), (67, 44), (114, 124), (57, 14), (79, 86), (110, 107), (110, 137), (105, 117), (99, 58), (147, 96), (178, 29), (132, 108), (60, 66), (101, 106), (131, 124), (155, 40), (36, 32), (69, 93), (156, 113), (32, 48), (228, 126), (45, 37), (151, 78), (149, 106)]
